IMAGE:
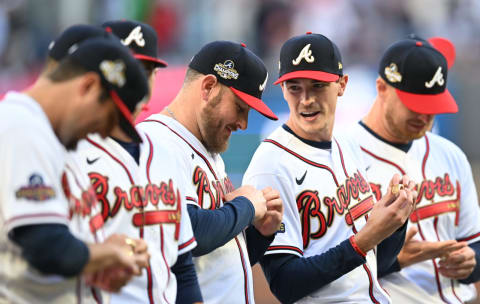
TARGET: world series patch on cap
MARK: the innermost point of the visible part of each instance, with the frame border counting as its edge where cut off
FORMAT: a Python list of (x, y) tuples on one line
[(139, 37), (120, 73), (418, 72), (312, 56), (238, 68)]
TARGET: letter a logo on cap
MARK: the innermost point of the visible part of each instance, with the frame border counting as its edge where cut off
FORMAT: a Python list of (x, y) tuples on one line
[(437, 78), (306, 54), (135, 35)]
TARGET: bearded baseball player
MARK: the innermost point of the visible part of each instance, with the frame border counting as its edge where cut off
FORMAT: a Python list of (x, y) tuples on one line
[(325, 251), (443, 243), (232, 227), (42, 262), (141, 196)]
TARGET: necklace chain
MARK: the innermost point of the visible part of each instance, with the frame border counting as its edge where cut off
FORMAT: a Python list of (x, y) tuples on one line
[(171, 113)]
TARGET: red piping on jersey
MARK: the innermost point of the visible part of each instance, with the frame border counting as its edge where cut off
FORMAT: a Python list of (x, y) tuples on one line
[(341, 158), (312, 163), (274, 248), (191, 146), (244, 271), (383, 159), (164, 259), (181, 246), (370, 287), (48, 214), (95, 295), (216, 178), (427, 152), (192, 199), (468, 238)]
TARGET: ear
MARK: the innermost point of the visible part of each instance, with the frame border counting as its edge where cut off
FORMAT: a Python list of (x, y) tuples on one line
[(208, 82), (382, 87), (343, 84), (90, 84)]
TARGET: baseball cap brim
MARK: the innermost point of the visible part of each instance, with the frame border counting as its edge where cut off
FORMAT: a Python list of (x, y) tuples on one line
[(317, 75), (126, 120), (255, 103), (445, 47), (158, 62), (428, 103)]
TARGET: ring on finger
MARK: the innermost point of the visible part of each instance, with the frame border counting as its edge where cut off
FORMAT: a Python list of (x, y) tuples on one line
[(131, 243)]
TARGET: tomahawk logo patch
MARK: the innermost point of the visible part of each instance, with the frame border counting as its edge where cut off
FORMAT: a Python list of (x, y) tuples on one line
[(36, 190)]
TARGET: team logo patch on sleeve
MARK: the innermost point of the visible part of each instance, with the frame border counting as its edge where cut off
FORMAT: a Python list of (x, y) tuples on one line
[(282, 228), (36, 190)]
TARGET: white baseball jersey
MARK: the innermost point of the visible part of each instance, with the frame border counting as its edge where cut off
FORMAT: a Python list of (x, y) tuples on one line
[(326, 200), (224, 274), (32, 162), (447, 204), (141, 201)]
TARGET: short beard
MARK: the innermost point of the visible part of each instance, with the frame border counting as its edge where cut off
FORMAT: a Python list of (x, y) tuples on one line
[(211, 125)]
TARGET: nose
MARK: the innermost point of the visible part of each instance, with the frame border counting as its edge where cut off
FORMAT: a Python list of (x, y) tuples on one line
[(307, 99)]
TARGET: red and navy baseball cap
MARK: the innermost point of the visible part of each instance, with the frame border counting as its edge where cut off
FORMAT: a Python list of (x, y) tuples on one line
[(121, 75), (72, 36), (238, 68), (312, 56), (141, 38), (418, 72)]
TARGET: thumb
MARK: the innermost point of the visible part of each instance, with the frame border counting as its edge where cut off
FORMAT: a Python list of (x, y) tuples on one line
[(411, 233)]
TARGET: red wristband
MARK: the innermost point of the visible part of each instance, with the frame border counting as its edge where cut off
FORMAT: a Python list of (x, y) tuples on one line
[(355, 246)]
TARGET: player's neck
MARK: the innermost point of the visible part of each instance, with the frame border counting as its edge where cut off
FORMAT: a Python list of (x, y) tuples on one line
[(375, 120), (183, 110)]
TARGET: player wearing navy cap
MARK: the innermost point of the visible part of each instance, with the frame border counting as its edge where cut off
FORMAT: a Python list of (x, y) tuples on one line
[(142, 198), (442, 248), (326, 251), (224, 80), (93, 88)]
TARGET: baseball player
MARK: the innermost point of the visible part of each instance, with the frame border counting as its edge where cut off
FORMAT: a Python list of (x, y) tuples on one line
[(443, 243), (42, 262), (223, 81), (325, 251), (141, 196)]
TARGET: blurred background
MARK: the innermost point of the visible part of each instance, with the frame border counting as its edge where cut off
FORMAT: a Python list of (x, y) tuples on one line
[(362, 29)]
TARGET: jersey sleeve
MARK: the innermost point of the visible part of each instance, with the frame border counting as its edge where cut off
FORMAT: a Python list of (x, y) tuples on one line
[(468, 228), (31, 189), (186, 240), (289, 238)]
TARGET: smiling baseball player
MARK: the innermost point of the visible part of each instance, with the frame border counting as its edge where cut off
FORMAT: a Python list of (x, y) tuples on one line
[(326, 251), (395, 138)]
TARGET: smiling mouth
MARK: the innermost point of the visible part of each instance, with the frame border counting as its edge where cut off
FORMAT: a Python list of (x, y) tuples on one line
[(309, 114)]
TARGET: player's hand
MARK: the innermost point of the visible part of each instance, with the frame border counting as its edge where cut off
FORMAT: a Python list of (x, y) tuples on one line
[(111, 280), (253, 195), (415, 251), (270, 223), (458, 264), (389, 213)]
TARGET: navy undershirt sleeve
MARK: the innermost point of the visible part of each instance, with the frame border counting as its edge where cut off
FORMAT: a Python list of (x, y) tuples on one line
[(388, 250), (51, 249), (257, 244), (188, 289), (292, 278), (475, 275), (214, 228)]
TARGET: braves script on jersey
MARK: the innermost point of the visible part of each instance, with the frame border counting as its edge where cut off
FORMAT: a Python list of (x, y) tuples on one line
[(32, 192), (224, 274), (141, 202), (447, 204), (326, 200)]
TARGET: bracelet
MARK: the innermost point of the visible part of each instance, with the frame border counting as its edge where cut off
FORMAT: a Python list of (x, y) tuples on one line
[(355, 246)]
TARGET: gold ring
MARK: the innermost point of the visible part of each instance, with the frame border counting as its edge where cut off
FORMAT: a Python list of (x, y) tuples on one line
[(130, 243), (396, 188)]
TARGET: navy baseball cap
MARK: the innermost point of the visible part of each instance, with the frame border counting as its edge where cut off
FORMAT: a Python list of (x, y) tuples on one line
[(418, 72), (121, 75), (73, 35), (312, 56), (238, 68), (141, 38), (443, 45)]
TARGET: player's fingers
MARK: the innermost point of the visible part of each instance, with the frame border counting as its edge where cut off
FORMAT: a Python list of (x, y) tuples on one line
[(266, 190), (140, 246), (275, 204), (271, 194), (411, 233)]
